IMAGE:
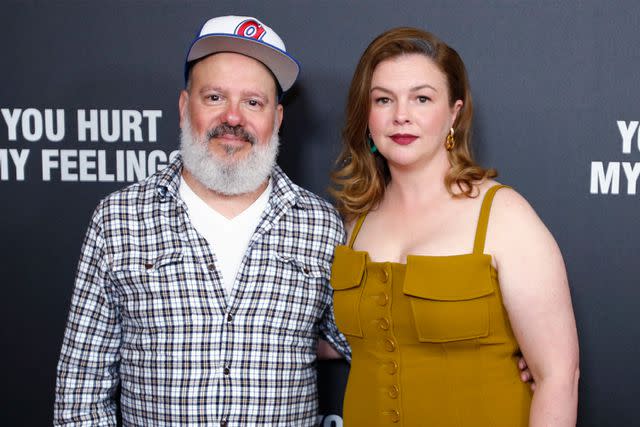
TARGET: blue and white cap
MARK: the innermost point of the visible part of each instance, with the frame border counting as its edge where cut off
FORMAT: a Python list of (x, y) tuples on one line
[(250, 37)]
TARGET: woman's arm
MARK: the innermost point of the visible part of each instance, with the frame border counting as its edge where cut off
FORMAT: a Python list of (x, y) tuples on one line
[(536, 295)]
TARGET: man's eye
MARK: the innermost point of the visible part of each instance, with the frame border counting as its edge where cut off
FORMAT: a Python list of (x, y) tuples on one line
[(254, 103), (214, 97)]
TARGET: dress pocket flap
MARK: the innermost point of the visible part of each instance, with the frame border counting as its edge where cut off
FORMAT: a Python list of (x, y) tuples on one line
[(348, 268), (451, 278)]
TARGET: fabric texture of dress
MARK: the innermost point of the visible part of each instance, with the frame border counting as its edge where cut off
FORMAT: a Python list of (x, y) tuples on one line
[(431, 341)]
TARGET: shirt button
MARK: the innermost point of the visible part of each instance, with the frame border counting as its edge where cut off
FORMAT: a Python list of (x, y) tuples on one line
[(392, 367), (229, 317), (389, 345), (211, 267), (226, 370), (383, 324), (383, 299), (393, 392), (306, 270), (223, 422)]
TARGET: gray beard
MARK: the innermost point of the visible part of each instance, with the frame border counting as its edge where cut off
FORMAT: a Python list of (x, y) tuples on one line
[(227, 176)]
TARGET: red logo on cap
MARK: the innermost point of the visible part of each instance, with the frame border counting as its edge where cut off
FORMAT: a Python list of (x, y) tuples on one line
[(251, 29)]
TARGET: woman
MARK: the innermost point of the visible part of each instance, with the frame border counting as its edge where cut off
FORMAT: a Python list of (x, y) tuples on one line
[(448, 276)]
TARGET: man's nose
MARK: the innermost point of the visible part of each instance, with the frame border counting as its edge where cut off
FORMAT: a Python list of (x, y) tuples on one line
[(233, 114)]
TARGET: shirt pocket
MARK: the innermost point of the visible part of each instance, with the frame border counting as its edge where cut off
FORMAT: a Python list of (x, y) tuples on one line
[(153, 289), (298, 293), (449, 296), (347, 278)]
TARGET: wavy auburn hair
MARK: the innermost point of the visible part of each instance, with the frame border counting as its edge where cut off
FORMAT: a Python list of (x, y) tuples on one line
[(360, 178)]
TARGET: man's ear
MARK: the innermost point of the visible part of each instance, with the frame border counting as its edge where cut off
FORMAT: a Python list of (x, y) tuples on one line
[(183, 100), (279, 114)]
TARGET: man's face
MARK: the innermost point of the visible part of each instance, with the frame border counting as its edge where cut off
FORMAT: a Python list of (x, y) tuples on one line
[(229, 121), (231, 103)]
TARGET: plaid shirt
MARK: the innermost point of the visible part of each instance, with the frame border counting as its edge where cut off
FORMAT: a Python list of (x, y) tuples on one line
[(149, 313)]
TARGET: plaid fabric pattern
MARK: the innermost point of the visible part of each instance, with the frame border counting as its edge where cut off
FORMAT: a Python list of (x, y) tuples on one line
[(149, 313)]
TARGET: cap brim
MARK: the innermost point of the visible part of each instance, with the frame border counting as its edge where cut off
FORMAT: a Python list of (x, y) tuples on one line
[(283, 66)]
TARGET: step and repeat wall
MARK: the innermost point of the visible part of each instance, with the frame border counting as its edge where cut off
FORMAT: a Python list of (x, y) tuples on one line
[(88, 102)]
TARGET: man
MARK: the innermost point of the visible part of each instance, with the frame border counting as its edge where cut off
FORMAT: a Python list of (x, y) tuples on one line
[(202, 291)]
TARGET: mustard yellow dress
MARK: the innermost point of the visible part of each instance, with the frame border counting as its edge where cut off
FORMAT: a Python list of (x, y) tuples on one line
[(431, 340)]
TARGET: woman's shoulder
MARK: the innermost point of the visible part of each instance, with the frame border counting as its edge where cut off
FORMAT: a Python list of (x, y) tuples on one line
[(350, 225), (511, 214), (479, 190), (507, 202)]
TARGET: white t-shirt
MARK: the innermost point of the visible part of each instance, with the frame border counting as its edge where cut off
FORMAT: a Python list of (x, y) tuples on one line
[(227, 238)]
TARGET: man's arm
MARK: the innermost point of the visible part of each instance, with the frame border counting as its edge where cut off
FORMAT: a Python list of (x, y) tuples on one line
[(332, 344), (87, 374)]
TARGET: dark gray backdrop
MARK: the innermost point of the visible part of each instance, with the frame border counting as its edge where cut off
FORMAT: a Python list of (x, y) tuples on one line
[(550, 80)]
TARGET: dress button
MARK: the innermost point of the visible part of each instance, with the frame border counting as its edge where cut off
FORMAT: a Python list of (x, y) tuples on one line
[(383, 299), (393, 415), (393, 392), (383, 323), (392, 367), (389, 345), (385, 275)]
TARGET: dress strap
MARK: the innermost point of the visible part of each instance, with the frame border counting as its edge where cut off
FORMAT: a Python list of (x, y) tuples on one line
[(483, 220), (356, 229)]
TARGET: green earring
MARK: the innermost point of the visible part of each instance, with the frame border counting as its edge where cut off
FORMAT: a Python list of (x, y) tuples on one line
[(372, 146)]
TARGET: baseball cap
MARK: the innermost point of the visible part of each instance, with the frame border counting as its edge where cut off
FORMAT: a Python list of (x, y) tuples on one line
[(250, 37)]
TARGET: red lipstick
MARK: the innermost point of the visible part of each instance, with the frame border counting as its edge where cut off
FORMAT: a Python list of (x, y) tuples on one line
[(403, 138)]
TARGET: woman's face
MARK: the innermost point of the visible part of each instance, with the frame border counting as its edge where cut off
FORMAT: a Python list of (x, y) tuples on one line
[(410, 114)]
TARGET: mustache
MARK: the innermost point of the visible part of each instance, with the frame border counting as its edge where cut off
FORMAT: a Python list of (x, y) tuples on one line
[(236, 131)]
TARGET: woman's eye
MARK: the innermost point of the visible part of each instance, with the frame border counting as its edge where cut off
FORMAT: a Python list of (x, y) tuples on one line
[(382, 100), (423, 99)]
